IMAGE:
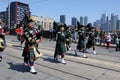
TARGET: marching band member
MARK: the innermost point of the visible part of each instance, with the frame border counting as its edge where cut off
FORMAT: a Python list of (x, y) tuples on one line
[(91, 40), (30, 52), (81, 42), (60, 44), (3, 31), (68, 39)]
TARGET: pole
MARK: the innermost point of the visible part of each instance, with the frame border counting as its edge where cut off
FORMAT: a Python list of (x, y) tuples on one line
[(9, 13)]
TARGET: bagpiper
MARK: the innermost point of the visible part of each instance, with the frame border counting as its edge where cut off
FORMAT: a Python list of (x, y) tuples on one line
[(31, 52), (60, 44), (3, 31), (68, 38), (91, 39), (81, 46)]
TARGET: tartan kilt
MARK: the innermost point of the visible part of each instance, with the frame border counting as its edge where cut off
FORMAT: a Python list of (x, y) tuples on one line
[(90, 43), (81, 45), (60, 48), (31, 52)]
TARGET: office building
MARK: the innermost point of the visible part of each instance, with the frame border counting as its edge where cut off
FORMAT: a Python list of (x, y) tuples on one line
[(17, 12), (74, 21), (62, 19)]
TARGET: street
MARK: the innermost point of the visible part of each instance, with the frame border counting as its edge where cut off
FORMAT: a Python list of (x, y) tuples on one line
[(103, 66)]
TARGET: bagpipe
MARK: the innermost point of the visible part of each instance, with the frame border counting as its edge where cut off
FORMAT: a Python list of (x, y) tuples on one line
[(2, 44)]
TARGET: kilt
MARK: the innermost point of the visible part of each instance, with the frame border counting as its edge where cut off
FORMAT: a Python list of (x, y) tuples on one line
[(81, 45), (60, 48), (90, 43)]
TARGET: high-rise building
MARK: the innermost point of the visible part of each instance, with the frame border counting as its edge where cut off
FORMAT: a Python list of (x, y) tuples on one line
[(114, 19), (103, 19), (85, 21), (82, 20), (62, 19), (3, 16), (118, 25), (74, 21), (17, 12), (107, 25), (97, 24)]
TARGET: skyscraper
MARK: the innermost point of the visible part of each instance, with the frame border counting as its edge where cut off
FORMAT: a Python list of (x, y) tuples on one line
[(103, 18), (81, 20), (107, 26), (74, 21), (103, 21), (114, 19), (118, 25), (62, 19), (85, 20)]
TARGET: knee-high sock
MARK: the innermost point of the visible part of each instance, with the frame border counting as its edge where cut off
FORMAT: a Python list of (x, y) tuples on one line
[(0, 54), (93, 48), (31, 62), (62, 56)]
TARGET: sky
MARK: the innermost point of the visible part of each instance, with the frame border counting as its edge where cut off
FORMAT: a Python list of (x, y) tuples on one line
[(71, 8)]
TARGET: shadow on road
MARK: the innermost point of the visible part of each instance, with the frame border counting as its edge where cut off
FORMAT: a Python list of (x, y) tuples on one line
[(18, 67), (16, 45), (71, 54), (51, 60)]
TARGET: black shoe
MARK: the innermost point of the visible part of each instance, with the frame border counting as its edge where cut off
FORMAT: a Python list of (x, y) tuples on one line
[(34, 72), (0, 58)]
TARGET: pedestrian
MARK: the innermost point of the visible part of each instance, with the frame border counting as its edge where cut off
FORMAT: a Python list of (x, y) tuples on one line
[(119, 39), (117, 42), (60, 48), (30, 52), (51, 31), (3, 31), (102, 37), (19, 31), (91, 40), (68, 39), (108, 40), (81, 46)]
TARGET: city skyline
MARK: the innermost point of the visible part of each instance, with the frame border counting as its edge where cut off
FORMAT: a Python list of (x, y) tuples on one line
[(51, 8)]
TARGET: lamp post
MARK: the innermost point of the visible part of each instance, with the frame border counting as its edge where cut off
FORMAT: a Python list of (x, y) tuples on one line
[(9, 13)]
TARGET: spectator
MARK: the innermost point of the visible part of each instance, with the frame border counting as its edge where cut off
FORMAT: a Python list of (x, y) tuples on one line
[(108, 40), (117, 42)]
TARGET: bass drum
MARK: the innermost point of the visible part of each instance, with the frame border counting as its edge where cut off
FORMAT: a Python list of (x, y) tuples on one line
[(2, 44)]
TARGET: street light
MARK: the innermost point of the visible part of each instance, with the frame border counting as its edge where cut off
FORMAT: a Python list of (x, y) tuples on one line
[(9, 13)]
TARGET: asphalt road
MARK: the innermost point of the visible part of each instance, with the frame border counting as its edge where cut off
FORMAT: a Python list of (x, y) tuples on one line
[(103, 66)]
